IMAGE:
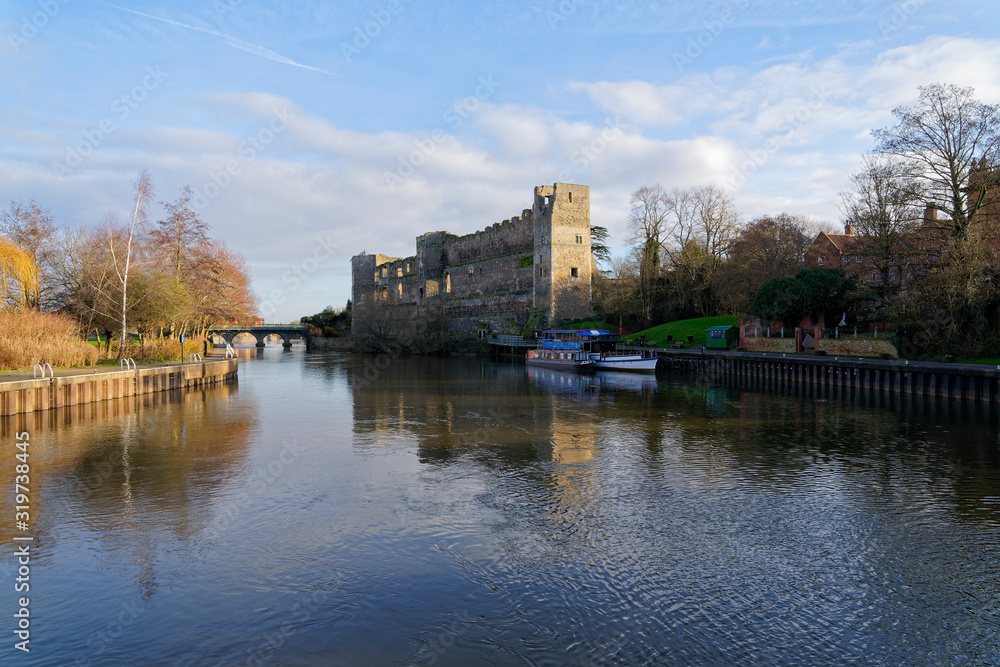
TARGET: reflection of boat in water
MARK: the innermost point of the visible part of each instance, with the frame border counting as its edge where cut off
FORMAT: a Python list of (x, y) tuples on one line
[(617, 381), (588, 349), (566, 381)]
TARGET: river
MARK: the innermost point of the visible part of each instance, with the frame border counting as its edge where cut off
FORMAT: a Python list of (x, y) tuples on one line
[(349, 510)]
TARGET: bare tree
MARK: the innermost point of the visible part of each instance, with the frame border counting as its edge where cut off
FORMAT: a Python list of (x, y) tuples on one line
[(647, 228), (702, 223), (143, 187), (646, 223), (179, 232), (615, 292), (951, 141), (884, 206), (768, 247)]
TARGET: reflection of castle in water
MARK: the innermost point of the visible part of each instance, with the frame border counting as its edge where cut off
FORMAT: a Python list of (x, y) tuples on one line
[(442, 408)]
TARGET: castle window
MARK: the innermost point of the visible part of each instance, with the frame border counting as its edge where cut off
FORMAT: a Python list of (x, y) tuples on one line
[(846, 259), (471, 271), (399, 272), (407, 267), (874, 275), (579, 239), (571, 198), (857, 259), (447, 283), (574, 272), (421, 293), (399, 290), (892, 276), (822, 260)]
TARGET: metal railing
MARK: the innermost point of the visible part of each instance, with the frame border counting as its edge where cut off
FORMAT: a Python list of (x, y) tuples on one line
[(511, 340), (875, 331)]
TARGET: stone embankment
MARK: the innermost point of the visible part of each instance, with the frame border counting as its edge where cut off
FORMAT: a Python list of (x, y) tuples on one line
[(979, 383), (20, 393)]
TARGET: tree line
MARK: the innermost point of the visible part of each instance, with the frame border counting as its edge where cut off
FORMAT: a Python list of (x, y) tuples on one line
[(925, 208), (125, 277)]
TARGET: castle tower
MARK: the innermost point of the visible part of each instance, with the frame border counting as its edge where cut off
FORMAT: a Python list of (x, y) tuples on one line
[(362, 281), (563, 259)]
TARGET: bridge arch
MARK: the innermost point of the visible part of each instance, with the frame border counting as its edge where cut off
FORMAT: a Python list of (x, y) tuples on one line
[(286, 333)]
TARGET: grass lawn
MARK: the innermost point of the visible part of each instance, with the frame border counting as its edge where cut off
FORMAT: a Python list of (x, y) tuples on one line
[(681, 329)]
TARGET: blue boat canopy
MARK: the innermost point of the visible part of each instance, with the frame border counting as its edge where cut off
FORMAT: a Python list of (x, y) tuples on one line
[(579, 332)]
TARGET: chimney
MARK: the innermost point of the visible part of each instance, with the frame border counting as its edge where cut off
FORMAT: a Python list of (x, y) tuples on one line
[(849, 228), (930, 213)]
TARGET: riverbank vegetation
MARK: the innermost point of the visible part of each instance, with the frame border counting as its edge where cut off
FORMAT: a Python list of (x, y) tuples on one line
[(919, 252), (124, 279), (31, 337)]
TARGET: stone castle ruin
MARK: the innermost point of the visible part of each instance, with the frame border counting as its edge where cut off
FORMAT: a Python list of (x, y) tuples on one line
[(530, 270)]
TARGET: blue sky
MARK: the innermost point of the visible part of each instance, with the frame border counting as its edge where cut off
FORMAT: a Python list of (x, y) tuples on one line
[(314, 130)]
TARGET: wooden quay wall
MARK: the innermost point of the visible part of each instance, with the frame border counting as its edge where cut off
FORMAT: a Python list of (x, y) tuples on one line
[(22, 396)]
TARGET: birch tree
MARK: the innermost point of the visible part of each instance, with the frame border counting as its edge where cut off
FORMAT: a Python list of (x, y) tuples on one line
[(143, 187)]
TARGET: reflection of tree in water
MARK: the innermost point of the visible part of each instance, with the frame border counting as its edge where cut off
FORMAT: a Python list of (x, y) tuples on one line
[(132, 469)]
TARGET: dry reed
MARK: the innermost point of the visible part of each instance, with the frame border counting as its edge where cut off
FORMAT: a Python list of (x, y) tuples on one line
[(29, 337)]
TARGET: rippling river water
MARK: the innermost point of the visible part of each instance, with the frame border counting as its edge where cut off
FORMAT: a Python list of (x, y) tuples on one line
[(327, 511)]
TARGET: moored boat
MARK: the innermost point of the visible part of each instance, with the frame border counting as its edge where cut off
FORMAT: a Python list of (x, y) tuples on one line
[(558, 351), (574, 348)]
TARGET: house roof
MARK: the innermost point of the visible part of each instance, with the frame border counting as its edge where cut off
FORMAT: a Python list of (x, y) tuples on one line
[(840, 241)]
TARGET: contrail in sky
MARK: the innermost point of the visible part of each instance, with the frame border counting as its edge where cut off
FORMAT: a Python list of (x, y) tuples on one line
[(255, 49)]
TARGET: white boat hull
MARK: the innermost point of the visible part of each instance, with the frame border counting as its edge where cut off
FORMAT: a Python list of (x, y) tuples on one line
[(630, 363)]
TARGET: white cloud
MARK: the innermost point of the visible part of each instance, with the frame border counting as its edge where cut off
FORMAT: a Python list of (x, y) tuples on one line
[(315, 177)]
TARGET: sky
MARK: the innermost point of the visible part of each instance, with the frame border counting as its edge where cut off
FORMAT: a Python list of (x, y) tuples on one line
[(312, 131)]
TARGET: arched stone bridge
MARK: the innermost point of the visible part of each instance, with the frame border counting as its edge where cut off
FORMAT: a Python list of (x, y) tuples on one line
[(288, 332)]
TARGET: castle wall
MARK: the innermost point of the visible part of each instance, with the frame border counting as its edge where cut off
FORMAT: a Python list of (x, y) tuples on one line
[(498, 240), (495, 276)]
